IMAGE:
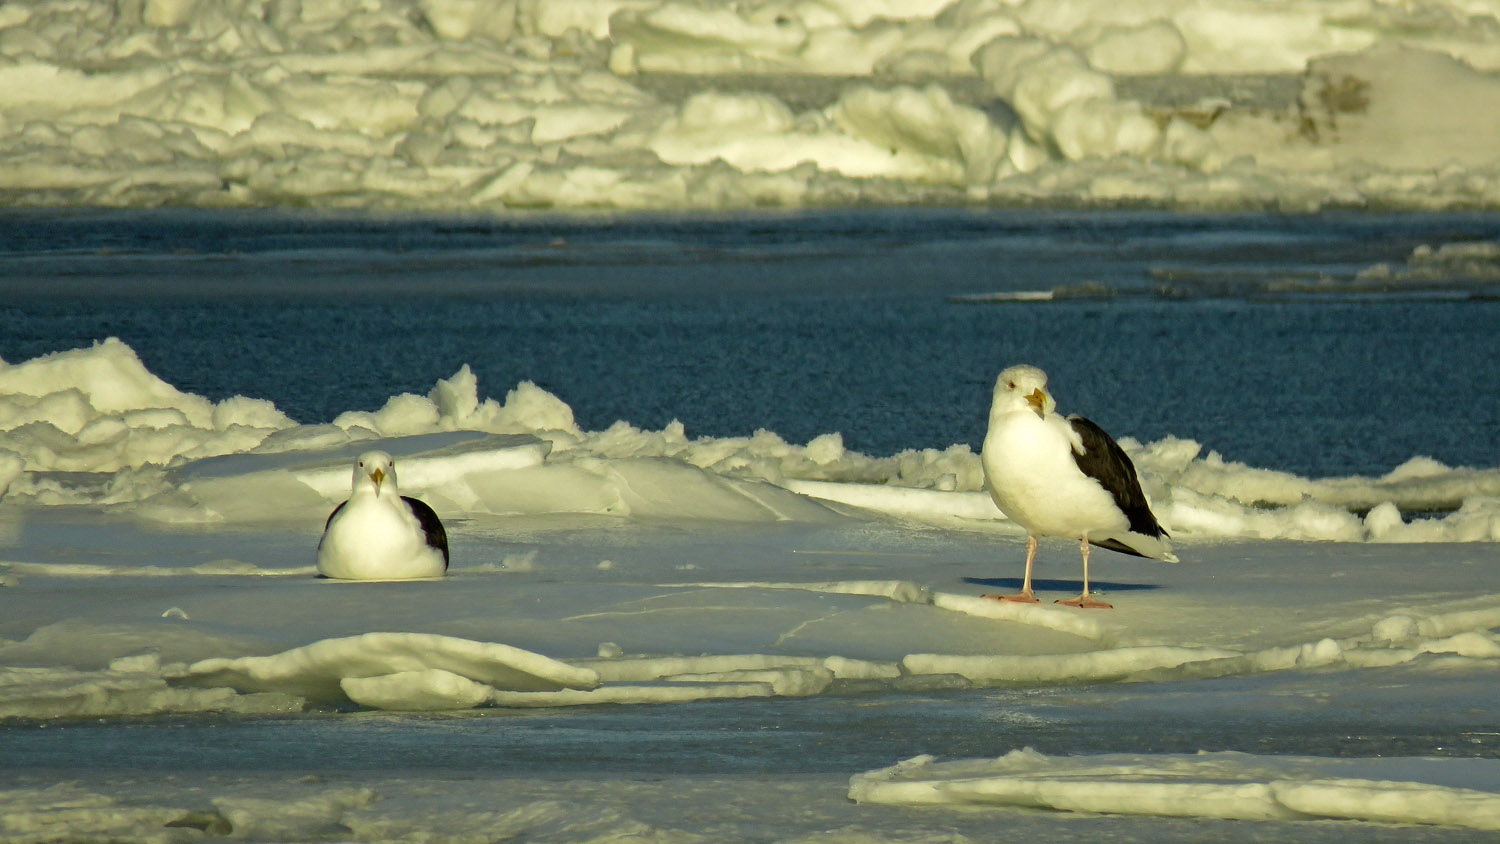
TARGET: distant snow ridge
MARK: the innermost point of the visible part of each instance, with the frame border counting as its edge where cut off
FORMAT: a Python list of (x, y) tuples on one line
[(93, 426), (459, 105)]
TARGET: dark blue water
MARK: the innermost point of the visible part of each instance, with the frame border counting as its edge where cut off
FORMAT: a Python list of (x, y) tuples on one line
[(801, 323)]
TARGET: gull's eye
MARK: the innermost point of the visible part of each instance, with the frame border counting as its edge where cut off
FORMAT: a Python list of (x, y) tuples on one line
[(1010, 385)]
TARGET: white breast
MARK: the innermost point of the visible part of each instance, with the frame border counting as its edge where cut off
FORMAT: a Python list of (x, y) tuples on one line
[(1034, 480), (377, 539)]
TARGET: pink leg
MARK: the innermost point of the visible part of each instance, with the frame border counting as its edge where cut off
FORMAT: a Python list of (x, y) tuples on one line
[(1024, 595), (1084, 601)]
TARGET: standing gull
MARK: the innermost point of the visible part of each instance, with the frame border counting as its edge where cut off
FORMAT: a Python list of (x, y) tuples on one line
[(380, 534), (1063, 476)]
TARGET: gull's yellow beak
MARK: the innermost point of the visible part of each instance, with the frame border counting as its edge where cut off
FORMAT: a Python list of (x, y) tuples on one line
[(377, 476), (1037, 399)]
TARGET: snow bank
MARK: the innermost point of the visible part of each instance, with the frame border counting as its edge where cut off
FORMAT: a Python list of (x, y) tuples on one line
[(1207, 785), (453, 104), (93, 426), (100, 410)]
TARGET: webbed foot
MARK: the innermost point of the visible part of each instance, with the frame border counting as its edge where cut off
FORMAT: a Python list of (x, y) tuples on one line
[(1086, 602), (1024, 597)]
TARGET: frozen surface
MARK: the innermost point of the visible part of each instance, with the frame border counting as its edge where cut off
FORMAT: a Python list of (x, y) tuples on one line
[(157, 565), (459, 105)]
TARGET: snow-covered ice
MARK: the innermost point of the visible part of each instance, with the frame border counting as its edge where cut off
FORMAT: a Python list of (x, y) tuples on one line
[(1320, 666), (458, 104), (158, 554)]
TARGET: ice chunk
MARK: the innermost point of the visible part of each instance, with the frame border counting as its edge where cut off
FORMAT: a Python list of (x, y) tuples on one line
[(1092, 666), (1402, 107), (1063, 102), (784, 682), (316, 670), (461, 19), (906, 501), (1153, 47), (682, 36), (429, 689), (1396, 629), (1039, 615), (100, 409), (276, 484), (643, 669), (925, 124), (648, 487), (634, 693), (11, 465), (1188, 512), (1206, 785), (1384, 801), (897, 590), (1471, 643)]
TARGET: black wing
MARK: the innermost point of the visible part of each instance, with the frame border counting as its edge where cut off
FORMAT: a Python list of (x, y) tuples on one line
[(431, 525), (331, 515), (1104, 461)]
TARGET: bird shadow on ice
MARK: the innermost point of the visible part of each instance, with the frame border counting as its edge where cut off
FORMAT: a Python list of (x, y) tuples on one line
[(1041, 585)]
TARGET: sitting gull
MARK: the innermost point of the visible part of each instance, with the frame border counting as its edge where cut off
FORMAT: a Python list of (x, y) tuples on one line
[(1063, 476), (380, 534)]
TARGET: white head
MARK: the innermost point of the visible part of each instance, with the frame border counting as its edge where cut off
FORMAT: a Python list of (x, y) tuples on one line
[(1020, 388), (375, 472)]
